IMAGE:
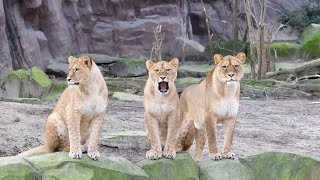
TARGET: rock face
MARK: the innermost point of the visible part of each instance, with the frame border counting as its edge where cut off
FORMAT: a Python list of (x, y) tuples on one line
[(126, 140), (36, 32)]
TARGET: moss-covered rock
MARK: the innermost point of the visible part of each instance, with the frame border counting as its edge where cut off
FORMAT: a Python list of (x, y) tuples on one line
[(181, 168), (60, 166), (225, 169), (25, 84), (311, 46), (282, 166), (129, 68), (17, 168), (123, 96), (126, 140)]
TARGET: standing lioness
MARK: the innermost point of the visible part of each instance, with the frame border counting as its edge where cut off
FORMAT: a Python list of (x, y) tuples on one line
[(77, 119), (161, 108), (214, 100)]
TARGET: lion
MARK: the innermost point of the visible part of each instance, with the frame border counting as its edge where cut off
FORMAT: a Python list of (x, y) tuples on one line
[(76, 121), (214, 100), (161, 108)]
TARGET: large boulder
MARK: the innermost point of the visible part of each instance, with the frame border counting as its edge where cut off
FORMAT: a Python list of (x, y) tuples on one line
[(189, 49), (60, 166), (129, 68), (278, 165), (24, 84), (126, 140), (180, 168)]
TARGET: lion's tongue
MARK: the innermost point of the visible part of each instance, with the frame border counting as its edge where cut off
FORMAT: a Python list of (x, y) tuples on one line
[(163, 86)]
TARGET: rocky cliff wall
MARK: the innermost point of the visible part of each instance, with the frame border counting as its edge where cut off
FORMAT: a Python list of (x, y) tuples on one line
[(37, 32)]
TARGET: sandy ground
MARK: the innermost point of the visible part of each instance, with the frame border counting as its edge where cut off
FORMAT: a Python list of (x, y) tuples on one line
[(263, 125)]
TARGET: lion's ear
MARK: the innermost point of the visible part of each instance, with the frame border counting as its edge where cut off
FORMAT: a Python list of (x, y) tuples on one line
[(174, 62), (241, 57), (86, 61), (71, 59), (149, 64), (217, 58)]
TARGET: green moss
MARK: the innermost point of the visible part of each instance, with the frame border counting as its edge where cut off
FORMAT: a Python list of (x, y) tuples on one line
[(21, 73), (284, 49), (59, 86), (40, 77), (310, 31), (311, 46)]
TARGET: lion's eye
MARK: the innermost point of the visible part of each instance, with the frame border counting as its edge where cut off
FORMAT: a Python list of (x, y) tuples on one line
[(156, 70), (76, 70), (168, 70), (236, 66), (224, 67)]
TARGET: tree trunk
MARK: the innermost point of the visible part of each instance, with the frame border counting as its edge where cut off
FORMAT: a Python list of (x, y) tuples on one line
[(250, 37), (262, 66), (235, 25), (208, 27)]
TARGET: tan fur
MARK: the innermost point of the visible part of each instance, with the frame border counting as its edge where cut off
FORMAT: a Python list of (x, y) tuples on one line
[(162, 112), (214, 100), (77, 119)]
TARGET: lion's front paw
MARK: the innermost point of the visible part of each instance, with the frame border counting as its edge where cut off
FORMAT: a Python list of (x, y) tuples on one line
[(75, 154), (229, 155), (215, 156), (171, 154), (153, 154), (94, 155)]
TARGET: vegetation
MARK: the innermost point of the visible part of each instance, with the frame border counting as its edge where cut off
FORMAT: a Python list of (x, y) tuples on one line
[(302, 17), (283, 49)]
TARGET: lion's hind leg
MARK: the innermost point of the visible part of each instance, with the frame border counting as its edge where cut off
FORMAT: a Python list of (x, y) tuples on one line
[(56, 134)]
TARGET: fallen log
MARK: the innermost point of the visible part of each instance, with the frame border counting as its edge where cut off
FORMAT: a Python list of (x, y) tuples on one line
[(308, 68)]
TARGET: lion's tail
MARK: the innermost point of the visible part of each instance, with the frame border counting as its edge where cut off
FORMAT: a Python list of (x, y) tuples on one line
[(186, 134), (39, 149)]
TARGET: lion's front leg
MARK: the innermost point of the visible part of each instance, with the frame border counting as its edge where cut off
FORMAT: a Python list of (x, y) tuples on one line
[(152, 126), (228, 126), (94, 136), (212, 135), (170, 146), (73, 124)]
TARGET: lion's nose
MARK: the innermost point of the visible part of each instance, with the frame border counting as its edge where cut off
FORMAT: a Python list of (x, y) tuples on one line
[(68, 79), (231, 75), (162, 77)]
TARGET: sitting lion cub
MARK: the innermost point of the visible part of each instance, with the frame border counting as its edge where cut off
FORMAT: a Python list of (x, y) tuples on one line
[(214, 100), (161, 108), (77, 119)]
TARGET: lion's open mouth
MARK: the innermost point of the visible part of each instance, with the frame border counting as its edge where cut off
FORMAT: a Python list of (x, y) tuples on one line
[(163, 87), (73, 83)]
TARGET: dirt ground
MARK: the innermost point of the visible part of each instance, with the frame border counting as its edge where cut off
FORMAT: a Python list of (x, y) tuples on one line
[(263, 125)]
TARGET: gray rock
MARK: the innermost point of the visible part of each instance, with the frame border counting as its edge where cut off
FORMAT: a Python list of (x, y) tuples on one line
[(58, 69), (126, 140), (128, 68), (103, 59)]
